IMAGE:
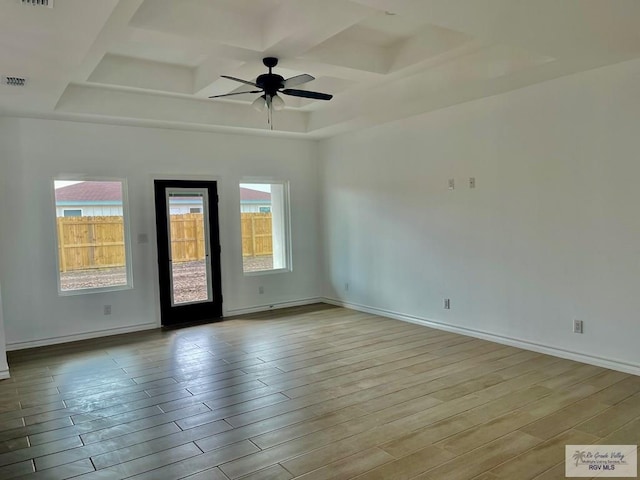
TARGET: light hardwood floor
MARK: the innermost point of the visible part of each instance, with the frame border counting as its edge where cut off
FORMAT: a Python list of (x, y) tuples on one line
[(312, 393)]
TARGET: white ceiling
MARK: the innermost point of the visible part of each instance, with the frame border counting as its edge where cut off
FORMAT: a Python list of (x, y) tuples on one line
[(156, 61)]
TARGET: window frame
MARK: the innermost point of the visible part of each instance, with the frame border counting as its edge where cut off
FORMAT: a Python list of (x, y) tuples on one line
[(126, 231), (286, 216)]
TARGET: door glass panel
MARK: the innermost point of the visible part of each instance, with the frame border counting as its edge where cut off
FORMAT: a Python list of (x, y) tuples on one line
[(188, 225)]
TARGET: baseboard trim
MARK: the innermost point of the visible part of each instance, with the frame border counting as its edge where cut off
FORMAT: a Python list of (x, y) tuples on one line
[(631, 368), (12, 346), (271, 306)]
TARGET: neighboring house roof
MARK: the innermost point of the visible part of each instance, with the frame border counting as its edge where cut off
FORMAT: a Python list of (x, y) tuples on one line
[(90, 192), (248, 195)]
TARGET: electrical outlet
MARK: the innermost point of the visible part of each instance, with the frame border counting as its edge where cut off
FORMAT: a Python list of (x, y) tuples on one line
[(346, 287), (452, 184), (577, 326), (107, 309), (447, 304), (472, 182), (260, 289)]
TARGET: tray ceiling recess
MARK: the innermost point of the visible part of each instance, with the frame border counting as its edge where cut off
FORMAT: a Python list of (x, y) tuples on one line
[(157, 62)]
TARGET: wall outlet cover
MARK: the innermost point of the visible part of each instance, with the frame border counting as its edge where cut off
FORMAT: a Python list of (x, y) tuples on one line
[(577, 326)]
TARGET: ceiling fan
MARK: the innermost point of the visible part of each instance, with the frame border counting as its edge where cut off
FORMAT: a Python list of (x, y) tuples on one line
[(270, 84)]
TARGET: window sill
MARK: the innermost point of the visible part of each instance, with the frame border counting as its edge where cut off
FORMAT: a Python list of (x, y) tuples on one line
[(87, 291), (266, 272)]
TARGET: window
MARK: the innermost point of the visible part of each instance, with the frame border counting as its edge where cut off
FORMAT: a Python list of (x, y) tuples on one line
[(264, 212), (92, 235), (72, 213)]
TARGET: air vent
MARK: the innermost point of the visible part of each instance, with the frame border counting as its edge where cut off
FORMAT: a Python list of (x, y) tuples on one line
[(14, 81), (38, 3)]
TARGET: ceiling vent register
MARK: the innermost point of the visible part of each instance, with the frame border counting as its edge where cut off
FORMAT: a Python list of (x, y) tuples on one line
[(13, 81), (38, 3)]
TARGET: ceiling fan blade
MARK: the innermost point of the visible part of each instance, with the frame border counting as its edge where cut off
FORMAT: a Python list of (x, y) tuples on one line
[(238, 80), (306, 94), (236, 93), (297, 80)]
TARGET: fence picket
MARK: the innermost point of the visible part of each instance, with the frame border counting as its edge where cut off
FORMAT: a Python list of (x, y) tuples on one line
[(98, 242)]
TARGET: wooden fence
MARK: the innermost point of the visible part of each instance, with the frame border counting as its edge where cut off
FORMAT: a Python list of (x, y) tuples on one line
[(187, 237), (256, 234), (98, 242), (90, 242)]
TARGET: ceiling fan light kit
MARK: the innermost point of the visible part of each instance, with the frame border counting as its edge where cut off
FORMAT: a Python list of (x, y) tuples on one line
[(260, 103), (270, 84), (277, 103)]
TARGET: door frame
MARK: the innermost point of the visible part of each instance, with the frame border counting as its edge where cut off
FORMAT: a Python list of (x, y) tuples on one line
[(162, 280)]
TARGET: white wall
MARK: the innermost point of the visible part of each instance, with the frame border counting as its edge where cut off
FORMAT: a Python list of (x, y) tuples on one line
[(551, 232), (4, 367), (8, 149), (41, 149)]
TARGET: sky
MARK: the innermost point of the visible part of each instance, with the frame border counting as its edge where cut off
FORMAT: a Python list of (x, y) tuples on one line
[(64, 183), (262, 187)]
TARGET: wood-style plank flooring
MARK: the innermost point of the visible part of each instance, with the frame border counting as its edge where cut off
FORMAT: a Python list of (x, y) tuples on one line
[(312, 393)]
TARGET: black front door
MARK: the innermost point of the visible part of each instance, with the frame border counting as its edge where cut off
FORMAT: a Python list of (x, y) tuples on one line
[(188, 251)]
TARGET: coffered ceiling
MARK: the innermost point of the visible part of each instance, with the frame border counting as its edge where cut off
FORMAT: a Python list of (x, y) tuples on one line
[(156, 62)]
